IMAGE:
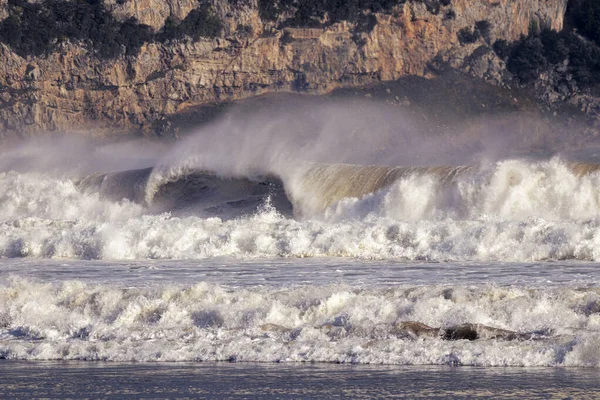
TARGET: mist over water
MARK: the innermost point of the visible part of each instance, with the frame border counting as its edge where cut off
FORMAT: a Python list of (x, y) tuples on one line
[(73, 156), (280, 137), (305, 178)]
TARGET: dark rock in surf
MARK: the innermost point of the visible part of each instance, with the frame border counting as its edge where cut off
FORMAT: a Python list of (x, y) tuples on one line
[(461, 332)]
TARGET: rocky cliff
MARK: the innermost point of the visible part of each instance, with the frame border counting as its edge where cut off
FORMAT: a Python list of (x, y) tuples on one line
[(72, 88)]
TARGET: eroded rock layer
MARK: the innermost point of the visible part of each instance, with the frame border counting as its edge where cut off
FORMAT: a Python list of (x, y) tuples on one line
[(72, 88)]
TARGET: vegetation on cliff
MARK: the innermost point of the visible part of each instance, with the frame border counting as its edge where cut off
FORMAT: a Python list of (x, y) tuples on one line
[(545, 51), (317, 13), (482, 29), (200, 22), (35, 28), (585, 16), (39, 28), (567, 55), (66, 84)]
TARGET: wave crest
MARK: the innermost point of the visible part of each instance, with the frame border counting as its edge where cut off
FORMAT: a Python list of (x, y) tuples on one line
[(513, 210)]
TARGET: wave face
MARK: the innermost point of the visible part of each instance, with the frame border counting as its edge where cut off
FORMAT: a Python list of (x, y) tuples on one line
[(187, 191), (508, 190), (512, 210), (321, 185), (78, 321)]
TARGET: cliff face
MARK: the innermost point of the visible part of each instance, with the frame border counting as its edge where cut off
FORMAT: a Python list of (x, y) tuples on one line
[(73, 90)]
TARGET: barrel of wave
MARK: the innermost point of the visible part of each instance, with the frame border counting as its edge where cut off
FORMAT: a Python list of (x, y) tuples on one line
[(130, 185), (312, 188)]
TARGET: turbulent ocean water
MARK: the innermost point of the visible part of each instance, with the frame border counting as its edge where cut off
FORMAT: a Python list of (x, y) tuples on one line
[(323, 263), (319, 249)]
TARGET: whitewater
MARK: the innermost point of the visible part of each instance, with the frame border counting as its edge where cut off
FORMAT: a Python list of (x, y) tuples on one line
[(335, 239), (324, 263), (512, 210)]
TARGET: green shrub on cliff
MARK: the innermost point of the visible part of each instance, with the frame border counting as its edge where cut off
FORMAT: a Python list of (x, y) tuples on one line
[(502, 48), (565, 53), (585, 16), (584, 60), (200, 22), (310, 13), (482, 29), (527, 59), (543, 51), (556, 49), (38, 28), (467, 36)]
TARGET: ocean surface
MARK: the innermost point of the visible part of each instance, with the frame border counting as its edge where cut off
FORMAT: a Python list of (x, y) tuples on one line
[(77, 380), (334, 279)]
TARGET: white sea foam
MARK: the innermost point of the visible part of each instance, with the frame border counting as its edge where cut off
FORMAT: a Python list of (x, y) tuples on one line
[(512, 211), (512, 190), (74, 320), (509, 211)]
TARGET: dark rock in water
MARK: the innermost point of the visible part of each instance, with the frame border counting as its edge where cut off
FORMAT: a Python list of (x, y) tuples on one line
[(461, 332), (417, 329)]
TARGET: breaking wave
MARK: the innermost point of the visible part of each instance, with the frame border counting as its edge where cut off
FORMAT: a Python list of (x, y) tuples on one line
[(515, 326), (512, 210)]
